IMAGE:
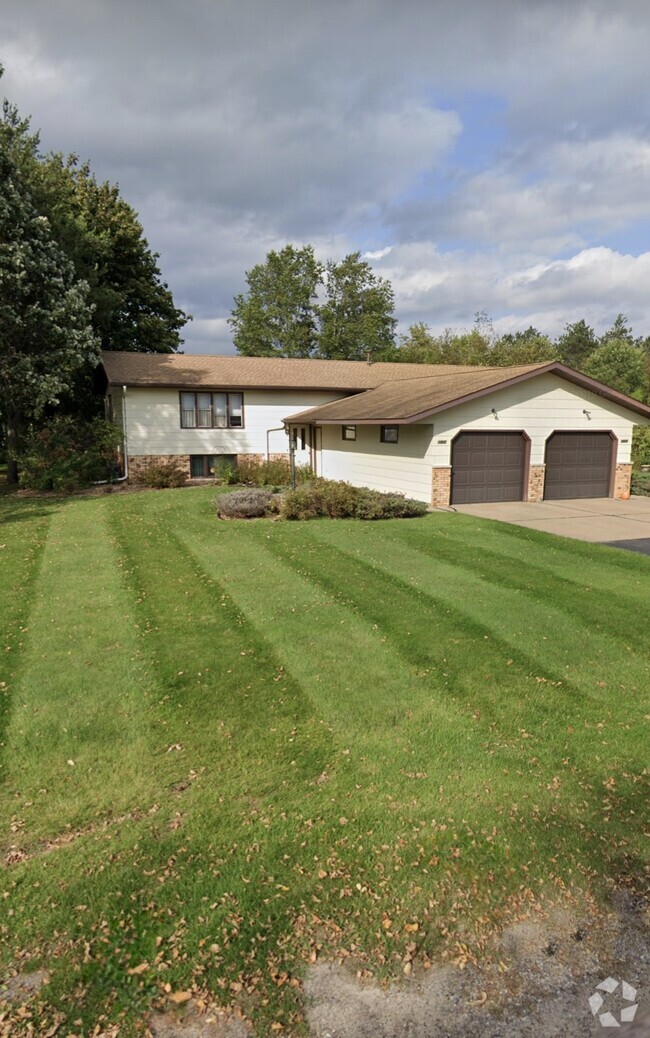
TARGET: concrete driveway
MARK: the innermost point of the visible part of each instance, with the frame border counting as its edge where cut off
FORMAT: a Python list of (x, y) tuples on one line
[(621, 524)]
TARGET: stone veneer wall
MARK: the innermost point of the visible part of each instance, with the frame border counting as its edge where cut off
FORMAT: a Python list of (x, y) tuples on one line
[(441, 486), (536, 477), (622, 481)]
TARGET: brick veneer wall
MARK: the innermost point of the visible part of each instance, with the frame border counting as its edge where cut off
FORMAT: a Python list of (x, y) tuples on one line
[(536, 477), (622, 481), (139, 462), (441, 486)]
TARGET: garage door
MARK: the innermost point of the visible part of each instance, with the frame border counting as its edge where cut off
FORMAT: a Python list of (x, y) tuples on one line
[(578, 465), (487, 467)]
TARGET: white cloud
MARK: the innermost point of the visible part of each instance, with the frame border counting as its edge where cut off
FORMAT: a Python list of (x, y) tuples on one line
[(236, 127)]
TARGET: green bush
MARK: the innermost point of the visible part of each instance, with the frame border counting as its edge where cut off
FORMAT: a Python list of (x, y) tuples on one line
[(274, 473), (66, 455), (251, 503), (339, 500), (641, 446), (160, 476), (372, 504), (226, 473), (641, 483)]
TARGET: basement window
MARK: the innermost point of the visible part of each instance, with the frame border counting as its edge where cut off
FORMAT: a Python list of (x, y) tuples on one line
[(389, 433), (210, 466), (348, 432)]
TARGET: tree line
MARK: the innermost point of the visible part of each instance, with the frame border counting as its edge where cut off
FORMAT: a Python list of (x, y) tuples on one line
[(296, 306)]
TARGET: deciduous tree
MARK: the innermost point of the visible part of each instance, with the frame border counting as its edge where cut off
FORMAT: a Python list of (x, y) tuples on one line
[(356, 319), (46, 331), (276, 317)]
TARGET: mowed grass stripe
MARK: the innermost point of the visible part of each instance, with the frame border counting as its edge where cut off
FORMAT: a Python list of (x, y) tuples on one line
[(519, 714), (218, 674), (423, 752), (361, 684), (558, 644), (78, 737), (627, 612), (23, 534), (590, 565)]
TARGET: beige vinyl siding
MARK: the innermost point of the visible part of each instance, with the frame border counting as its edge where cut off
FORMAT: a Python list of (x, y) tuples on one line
[(538, 408), (154, 426), (366, 462)]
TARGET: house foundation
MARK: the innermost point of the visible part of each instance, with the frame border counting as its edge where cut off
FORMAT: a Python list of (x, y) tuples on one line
[(139, 463)]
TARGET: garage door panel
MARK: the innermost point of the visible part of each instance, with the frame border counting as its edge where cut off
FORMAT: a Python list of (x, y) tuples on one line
[(487, 467), (578, 465)]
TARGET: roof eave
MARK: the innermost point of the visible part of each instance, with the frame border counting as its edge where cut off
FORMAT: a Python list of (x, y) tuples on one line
[(552, 368)]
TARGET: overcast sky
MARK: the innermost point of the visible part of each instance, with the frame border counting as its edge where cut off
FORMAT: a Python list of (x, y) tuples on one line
[(487, 155)]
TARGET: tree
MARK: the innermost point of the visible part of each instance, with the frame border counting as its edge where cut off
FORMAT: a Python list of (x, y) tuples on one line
[(419, 346), (276, 317), (527, 347), (576, 344), (621, 365), (133, 309), (620, 332), (466, 349), (46, 332), (99, 232), (356, 320)]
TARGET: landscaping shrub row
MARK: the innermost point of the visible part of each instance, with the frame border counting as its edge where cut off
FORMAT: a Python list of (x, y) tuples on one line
[(319, 498)]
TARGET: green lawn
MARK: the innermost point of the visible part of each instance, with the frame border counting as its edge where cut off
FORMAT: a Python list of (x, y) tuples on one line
[(229, 748)]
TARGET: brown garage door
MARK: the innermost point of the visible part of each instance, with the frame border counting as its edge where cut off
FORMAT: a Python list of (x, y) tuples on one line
[(578, 465), (487, 467)]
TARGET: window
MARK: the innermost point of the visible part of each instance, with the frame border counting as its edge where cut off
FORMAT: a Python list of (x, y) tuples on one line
[(212, 411), (207, 466), (348, 432), (389, 433)]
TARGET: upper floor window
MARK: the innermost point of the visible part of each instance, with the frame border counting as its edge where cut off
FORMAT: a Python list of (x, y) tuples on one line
[(212, 410), (348, 432)]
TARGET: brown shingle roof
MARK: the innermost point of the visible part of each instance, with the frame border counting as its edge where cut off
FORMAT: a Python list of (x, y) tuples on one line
[(410, 397), (167, 369), (409, 400), (383, 392)]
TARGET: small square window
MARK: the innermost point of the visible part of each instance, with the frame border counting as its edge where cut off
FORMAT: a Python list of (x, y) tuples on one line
[(389, 433), (348, 432)]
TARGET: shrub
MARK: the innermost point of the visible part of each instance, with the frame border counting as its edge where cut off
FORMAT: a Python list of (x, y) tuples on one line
[(160, 475), (372, 504), (226, 473), (641, 446), (251, 503), (338, 500), (641, 484), (274, 473), (66, 454)]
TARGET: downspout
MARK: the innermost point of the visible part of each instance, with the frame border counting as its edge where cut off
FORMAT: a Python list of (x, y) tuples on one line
[(120, 479), (124, 437), (278, 428)]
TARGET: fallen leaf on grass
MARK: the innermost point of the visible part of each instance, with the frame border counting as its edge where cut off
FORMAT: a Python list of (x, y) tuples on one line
[(179, 997), (137, 970)]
